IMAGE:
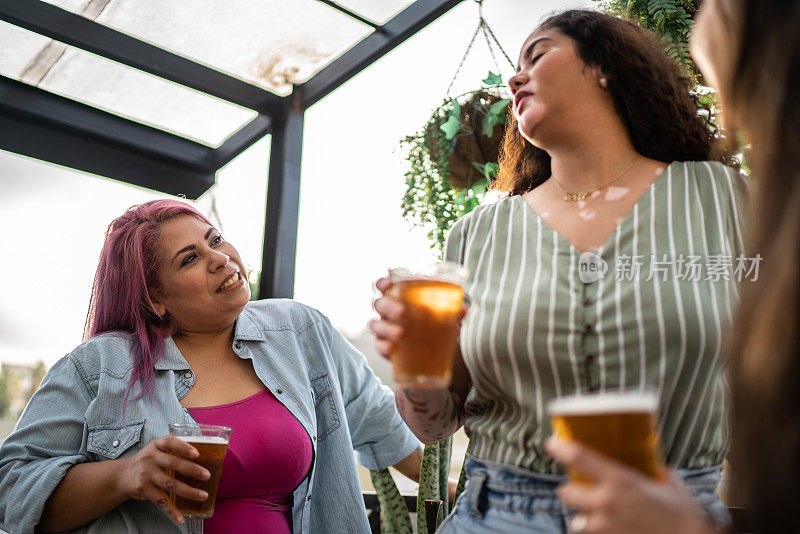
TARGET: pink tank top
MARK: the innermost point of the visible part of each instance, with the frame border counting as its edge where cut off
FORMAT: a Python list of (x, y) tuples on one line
[(268, 457)]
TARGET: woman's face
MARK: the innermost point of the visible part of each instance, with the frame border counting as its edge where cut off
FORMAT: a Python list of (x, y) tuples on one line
[(203, 282), (711, 48), (553, 87)]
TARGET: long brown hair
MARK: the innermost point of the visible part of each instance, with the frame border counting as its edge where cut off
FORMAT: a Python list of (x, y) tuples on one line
[(762, 102), (650, 94)]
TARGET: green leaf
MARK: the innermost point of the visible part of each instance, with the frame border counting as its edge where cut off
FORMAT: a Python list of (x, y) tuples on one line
[(450, 128), (499, 107), (489, 122), (479, 187), (433, 481), (493, 79), (395, 518), (455, 111)]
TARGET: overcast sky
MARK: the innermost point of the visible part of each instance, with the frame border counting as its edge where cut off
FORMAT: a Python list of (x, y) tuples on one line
[(350, 229)]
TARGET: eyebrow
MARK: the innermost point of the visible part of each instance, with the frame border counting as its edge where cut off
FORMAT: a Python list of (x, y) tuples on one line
[(191, 247), (531, 47)]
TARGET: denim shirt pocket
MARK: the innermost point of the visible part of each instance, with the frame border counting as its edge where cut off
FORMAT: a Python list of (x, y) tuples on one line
[(324, 406), (115, 440)]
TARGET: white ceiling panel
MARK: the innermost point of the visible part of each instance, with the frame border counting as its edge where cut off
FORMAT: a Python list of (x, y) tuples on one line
[(148, 99), (18, 48), (271, 43)]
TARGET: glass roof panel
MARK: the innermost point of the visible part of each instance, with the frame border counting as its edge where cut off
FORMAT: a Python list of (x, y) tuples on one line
[(380, 11), (113, 87), (270, 43), (18, 48), (145, 98)]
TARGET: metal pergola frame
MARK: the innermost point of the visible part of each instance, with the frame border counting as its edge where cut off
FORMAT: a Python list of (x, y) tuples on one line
[(45, 126)]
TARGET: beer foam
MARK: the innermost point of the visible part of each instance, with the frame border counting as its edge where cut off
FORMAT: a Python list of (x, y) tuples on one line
[(599, 403), (208, 440)]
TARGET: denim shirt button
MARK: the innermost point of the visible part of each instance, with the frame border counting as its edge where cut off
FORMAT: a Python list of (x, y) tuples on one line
[(279, 391), (238, 344), (187, 375), (116, 443), (308, 498)]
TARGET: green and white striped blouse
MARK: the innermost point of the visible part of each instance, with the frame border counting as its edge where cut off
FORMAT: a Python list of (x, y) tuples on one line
[(544, 323)]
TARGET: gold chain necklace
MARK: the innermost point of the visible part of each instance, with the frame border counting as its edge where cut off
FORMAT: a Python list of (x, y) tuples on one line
[(573, 197)]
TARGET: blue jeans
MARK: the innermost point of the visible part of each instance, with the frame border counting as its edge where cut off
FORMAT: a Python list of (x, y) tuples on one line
[(502, 499)]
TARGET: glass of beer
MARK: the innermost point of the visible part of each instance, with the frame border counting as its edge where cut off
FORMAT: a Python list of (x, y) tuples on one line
[(433, 298), (620, 425), (211, 442)]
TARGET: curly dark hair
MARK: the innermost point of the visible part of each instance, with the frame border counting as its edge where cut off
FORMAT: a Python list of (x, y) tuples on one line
[(651, 95)]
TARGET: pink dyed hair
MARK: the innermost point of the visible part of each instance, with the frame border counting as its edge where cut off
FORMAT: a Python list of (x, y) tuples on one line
[(126, 274)]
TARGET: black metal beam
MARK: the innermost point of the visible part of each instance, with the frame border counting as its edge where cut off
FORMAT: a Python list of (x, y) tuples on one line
[(283, 204), (401, 27), (39, 124), (351, 14), (242, 140), (72, 29)]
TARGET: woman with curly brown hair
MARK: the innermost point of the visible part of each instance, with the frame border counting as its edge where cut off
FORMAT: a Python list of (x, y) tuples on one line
[(607, 268)]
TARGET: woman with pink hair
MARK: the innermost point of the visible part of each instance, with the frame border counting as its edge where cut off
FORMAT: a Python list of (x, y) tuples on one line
[(172, 336)]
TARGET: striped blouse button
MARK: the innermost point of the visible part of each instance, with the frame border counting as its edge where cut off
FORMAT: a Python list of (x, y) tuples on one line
[(588, 330), (588, 301)]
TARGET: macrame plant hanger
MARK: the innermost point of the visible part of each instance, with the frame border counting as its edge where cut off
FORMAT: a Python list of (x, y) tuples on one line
[(489, 36)]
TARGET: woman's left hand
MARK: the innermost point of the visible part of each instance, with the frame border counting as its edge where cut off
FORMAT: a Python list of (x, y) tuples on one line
[(621, 500)]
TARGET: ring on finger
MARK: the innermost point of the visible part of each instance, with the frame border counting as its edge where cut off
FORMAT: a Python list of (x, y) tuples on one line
[(578, 523)]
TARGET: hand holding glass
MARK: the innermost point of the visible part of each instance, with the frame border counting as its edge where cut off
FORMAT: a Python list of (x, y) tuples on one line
[(621, 426), (212, 443), (433, 299)]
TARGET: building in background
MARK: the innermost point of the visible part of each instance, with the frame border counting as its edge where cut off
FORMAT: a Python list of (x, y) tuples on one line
[(18, 382)]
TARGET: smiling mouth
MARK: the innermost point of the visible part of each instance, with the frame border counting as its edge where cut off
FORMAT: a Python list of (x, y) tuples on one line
[(234, 279)]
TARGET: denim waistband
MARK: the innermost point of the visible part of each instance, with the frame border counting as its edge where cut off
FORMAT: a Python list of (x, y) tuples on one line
[(512, 479), (519, 488)]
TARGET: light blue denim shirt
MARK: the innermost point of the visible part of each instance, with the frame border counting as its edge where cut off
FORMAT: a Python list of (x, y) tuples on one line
[(76, 416)]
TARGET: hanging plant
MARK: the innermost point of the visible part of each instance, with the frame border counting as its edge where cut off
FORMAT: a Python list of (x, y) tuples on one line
[(453, 159)]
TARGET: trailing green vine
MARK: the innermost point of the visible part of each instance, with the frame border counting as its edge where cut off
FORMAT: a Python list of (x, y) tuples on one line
[(470, 120)]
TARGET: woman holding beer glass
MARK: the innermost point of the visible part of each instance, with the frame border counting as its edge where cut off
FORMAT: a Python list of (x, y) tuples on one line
[(749, 51), (173, 338), (596, 273)]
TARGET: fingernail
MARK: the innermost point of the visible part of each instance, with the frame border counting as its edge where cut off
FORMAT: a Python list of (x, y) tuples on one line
[(202, 494), (206, 475), (194, 453), (179, 520)]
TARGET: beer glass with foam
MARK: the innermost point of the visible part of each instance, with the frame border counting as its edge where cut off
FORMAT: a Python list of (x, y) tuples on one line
[(211, 442), (620, 425), (433, 298)]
